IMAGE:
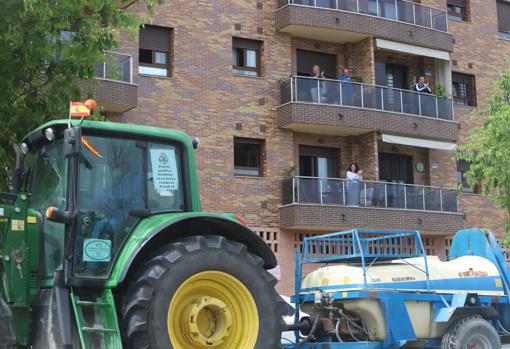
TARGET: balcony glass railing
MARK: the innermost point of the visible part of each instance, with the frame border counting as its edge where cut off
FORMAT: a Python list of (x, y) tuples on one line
[(117, 66), (334, 191), (397, 10), (351, 94)]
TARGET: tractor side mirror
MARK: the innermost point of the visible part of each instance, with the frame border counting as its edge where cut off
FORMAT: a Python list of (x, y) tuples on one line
[(55, 215), (72, 141)]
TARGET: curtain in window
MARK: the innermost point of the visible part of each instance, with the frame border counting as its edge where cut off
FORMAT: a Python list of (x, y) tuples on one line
[(251, 58)]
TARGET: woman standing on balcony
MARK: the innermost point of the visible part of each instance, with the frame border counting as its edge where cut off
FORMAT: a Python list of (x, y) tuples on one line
[(317, 73), (354, 177)]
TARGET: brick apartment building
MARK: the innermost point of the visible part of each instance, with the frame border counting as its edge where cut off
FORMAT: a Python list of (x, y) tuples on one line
[(276, 142)]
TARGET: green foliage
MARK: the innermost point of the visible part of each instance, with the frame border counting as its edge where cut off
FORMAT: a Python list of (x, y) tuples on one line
[(358, 79), (289, 172), (488, 147), (440, 90), (46, 48)]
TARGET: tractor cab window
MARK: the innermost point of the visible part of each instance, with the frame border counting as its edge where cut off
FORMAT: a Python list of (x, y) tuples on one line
[(117, 178), (47, 184)]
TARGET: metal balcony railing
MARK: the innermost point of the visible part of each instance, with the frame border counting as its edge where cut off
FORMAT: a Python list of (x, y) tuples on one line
[(117, 67), (356, 95), (397, 10), (335, 191)]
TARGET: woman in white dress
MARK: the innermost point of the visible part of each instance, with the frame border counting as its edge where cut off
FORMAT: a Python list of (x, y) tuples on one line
[(354, 177)]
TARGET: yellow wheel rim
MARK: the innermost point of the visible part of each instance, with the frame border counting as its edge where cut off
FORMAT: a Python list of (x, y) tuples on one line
[(212, 309)]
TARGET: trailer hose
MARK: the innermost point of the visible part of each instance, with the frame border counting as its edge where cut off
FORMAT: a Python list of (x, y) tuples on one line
[(337, 331), (504, 330)]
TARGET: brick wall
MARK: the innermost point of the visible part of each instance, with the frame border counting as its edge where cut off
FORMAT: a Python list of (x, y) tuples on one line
[(206, 100), (360, 59)]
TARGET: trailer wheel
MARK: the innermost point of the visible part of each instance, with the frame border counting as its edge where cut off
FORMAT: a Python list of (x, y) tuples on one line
[(202, 292), (472, 332)]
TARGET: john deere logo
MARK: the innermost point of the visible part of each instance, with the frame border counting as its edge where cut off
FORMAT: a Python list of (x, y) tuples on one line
[(163, 158), (97, 250)]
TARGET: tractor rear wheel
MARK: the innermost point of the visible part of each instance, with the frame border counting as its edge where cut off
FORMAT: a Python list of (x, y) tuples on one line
[(202, 292), (472, 332)]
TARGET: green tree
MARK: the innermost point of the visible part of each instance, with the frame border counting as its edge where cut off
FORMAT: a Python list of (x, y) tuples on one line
[(46, 48), (488, 146)]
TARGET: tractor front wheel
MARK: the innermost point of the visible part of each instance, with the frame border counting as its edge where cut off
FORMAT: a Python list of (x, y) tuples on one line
[(202, 292)]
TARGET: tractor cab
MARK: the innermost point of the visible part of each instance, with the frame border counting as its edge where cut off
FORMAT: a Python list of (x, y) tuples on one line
[(93, 186)]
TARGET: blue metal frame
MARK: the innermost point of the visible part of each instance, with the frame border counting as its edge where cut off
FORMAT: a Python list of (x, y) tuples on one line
[(367, 247)]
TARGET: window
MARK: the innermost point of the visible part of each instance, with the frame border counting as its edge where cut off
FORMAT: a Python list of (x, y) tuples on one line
[(504, 19), (246, 56), (248, 156), (307, 59), (462, 168), (464, 89), (154, 51), (457, 10)]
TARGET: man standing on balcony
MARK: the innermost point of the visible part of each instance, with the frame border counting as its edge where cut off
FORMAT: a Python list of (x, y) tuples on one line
[(422, 86), (346, 82)]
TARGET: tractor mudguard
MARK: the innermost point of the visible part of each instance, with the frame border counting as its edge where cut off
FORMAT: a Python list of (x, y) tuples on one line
[(7, 335), (196, 224)]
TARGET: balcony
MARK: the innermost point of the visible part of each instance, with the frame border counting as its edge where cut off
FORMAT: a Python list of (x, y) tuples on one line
[(332, 203), (352, 20), (113, 87), (345, 108)]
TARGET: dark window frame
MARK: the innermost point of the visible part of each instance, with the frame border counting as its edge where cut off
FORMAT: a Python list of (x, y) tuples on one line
[(167, 52), (239, 169), (469, 81), (462, 168), (503, 23), (461, 4), (245, 45)]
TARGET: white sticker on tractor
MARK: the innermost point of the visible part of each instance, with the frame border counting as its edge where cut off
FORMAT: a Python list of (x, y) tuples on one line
[(164, 171), (97, 250), (1, 211)]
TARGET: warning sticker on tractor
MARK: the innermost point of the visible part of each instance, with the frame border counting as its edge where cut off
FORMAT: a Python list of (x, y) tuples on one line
[(164, 171), (1, 211), (97, 250), (17, 225)]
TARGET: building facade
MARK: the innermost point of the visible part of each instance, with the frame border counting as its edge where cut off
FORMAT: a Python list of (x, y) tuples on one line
[(276, 140)]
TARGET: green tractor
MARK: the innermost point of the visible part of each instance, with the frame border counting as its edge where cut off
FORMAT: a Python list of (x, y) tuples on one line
[(103, 244)]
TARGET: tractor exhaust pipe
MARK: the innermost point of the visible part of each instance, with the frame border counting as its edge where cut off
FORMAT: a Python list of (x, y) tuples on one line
[(18, 169)]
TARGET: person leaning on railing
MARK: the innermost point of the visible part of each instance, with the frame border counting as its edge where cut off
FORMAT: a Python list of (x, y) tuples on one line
[(354, 177)]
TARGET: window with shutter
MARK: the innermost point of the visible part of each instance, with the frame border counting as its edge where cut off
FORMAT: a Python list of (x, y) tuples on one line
[(504, 19), (457, 10), (154, 51), (464, 89), (463, 180), (246, 56)]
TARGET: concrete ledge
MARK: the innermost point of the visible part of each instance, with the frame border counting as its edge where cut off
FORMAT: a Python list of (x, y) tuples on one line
[(330, 218), (114, 96), (316, 23), (331, 119)]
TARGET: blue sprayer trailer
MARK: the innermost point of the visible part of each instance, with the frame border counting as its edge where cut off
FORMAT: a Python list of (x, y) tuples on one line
[(377, 289)]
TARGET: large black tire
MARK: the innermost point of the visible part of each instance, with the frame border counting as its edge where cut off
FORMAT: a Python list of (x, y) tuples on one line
[(145, 304), (471, 330)]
